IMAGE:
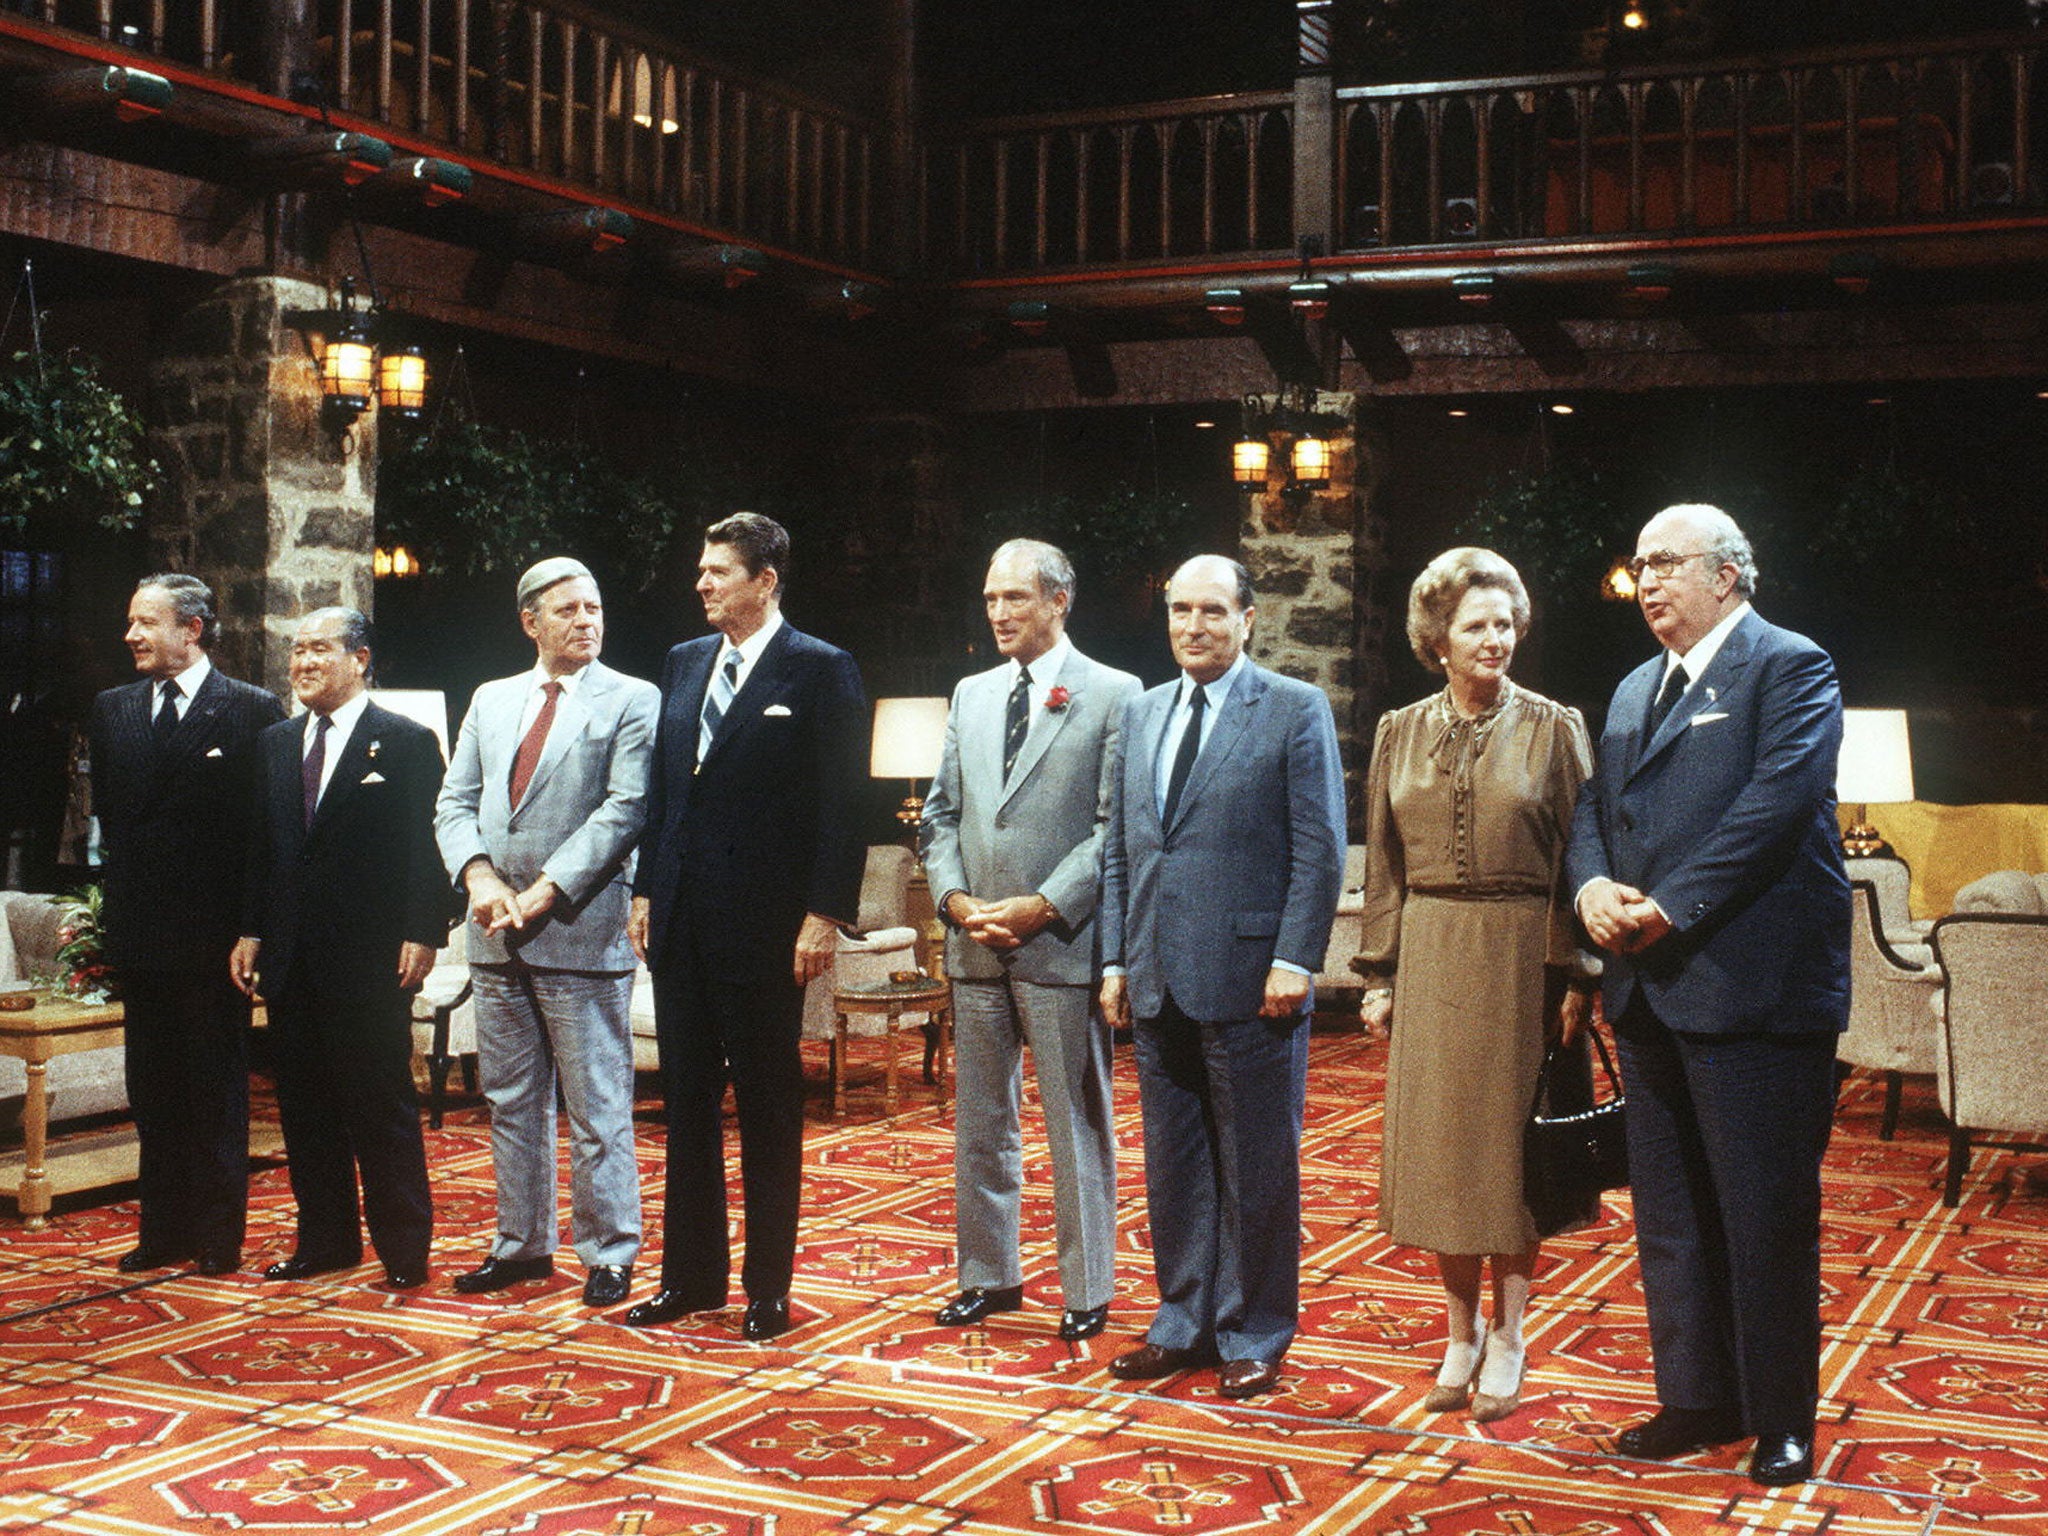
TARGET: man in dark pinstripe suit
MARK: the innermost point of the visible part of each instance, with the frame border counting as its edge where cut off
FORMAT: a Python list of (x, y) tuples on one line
[(172, 761)]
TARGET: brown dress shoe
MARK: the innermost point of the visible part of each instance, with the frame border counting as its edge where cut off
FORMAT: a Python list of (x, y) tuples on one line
[(1148, 1362), (1247, 1378)]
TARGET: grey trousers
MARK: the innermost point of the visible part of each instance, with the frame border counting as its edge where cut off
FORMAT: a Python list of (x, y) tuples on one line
[(534, 1028), (1071, 1053)]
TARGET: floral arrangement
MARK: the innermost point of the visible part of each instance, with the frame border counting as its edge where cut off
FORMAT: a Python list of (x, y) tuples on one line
[(1057, 699), (82, 970)]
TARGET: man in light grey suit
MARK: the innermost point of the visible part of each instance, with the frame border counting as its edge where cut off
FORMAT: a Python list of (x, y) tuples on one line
[(1221, 868), (1012, 844), (537, 823)]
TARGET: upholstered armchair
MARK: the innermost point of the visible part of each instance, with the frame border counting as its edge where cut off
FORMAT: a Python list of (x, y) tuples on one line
[(1891, 881), (1346, 932), (1890, 1029), (1993, 1031), (444, 1022)]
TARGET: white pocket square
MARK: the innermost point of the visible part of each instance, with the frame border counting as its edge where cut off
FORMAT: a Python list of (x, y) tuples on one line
[(215, 752), (374, 778), (776, 709), (1708, 719)]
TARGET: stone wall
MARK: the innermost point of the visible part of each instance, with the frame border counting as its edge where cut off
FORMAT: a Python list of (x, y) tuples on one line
[(1311, 554), (259, 499)]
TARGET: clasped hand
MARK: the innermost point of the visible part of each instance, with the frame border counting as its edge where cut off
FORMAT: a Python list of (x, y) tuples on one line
[(999, 925), (1621, 919), (496, 906)]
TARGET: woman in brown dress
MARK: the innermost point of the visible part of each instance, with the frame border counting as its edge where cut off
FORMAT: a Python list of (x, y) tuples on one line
[(1469, 955)]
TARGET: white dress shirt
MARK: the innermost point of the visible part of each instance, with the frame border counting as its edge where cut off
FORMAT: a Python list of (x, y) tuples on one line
[(340, 726)]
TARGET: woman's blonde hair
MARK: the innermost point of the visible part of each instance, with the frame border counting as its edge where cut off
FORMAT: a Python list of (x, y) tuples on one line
[(1443, 585)]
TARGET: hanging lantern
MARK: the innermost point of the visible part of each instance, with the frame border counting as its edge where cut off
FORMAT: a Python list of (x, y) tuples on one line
[(1311, 462), (1251, 462)]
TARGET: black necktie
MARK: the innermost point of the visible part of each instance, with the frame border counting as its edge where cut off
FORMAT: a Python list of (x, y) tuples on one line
[(1016, 721), (167, 712), (1674, 685), (309, 770), (1184, 759)]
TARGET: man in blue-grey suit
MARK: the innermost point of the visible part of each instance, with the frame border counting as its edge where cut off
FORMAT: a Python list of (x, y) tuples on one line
[(1707, 863), (1221, 870), (537, 821), (1013, 846)]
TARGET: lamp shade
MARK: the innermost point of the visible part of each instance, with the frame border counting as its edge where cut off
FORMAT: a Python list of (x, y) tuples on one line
[(1876, 766), (909, 736)]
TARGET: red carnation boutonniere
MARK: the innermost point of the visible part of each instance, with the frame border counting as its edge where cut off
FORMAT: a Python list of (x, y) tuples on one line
[(1057, 699)]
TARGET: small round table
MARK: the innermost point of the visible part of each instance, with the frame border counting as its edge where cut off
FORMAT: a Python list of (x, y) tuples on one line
[(926, 997)]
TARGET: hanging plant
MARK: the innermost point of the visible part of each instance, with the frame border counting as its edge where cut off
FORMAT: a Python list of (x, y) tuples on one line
[(1558, 527), (69, 444)]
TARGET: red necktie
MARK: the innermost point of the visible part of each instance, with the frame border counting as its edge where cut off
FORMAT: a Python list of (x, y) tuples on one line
[(536, 738)]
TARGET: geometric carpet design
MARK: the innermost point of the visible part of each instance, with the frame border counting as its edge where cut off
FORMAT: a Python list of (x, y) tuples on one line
[(188, 1405)]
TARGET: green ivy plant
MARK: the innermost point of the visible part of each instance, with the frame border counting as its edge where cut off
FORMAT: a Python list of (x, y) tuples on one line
[(70, 444), (1108, 533)]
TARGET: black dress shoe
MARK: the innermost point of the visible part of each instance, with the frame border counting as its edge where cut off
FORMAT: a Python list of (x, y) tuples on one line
[(607, 1285), (665, 1306), (1675, 1431), (496, 1274), (403, 1277), (766, 1319), (1780, 1459), (222, 1261), (1078, 1323), (304, 1266), (977, 1302), (146, 1257), (1148, 1362), (1247, 1378)]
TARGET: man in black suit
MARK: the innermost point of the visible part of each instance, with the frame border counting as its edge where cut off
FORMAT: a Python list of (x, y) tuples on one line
[(172, 759), (752, 863), (347, 904)]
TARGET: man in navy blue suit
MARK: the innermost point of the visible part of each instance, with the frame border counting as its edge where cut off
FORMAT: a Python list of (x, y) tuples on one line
[(1707, 863), (751, 865)]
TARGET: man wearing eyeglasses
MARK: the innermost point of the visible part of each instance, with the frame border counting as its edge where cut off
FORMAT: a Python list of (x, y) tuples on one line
[(1707, 864)]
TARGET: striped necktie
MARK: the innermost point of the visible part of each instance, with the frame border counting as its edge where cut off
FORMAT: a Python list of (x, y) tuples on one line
[(724, 684), (1016, 721)]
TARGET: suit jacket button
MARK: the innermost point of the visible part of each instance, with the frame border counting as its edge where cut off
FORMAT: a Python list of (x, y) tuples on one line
[(1628, 822)]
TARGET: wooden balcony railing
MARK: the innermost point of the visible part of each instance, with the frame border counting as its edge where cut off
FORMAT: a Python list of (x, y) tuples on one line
[(1848, 138), (553, 88)]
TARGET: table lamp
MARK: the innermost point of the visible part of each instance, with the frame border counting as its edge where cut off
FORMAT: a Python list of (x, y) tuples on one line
[(1876, 766), (909, 736)]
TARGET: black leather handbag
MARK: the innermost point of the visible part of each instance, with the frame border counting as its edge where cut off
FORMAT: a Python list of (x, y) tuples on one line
[(1572, 1149)]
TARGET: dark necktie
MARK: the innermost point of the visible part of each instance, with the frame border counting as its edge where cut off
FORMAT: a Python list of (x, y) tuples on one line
[(1184, 758), (717, 702), (1016, 721), (309, 770), (528, 757), (167, 712), (1667, 695)]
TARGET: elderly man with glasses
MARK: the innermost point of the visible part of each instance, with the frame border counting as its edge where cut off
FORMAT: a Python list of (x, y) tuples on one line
[(1706, 862)]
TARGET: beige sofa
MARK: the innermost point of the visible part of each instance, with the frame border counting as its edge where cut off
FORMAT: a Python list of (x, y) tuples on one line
[(87, 1083)]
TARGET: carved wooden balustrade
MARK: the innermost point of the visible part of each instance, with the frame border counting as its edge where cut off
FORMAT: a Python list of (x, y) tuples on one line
[(549, 87), (1853, 138)]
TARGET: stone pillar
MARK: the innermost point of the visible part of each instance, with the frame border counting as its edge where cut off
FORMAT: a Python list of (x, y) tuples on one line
[(259, 500), (1312, 555)]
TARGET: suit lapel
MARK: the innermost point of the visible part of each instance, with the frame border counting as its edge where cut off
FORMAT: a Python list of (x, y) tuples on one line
[(755, 693), (350, 769), (572, 714), (1038, 742), (1701, 694), (193, 728), (1151, 740), (1224, 736)]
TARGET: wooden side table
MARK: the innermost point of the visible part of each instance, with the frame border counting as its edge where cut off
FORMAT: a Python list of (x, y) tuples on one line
[(54, 1027), (927, 999)]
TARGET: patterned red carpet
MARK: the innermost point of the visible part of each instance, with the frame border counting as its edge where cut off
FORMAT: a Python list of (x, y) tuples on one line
[(200, 1406)]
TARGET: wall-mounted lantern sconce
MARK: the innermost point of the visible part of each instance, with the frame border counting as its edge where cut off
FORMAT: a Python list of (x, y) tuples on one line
[(1310, 298), (1306, 420), (395, 564)]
